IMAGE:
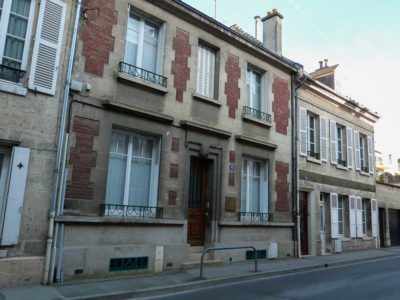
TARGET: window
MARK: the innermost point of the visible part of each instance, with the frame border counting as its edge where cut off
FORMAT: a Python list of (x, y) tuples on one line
[(15, 28), (143, 47), (363, 153), (206, 76), (254, 186), (133, 170), (341, 145), (312, 136), (254, 89)]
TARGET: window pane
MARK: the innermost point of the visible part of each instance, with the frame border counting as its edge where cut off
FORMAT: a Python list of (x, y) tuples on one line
[(147, 148), (139, 186), (132, 40), (1, 158), (21, 7), (116, 179), (255, 194)]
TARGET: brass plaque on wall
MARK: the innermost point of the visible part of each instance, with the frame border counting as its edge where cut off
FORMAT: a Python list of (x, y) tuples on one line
[(230, 204)]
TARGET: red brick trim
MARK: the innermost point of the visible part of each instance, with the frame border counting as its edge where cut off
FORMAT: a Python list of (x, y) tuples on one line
[(280, 106), (173, 171), (232, 90), (172, 195), (175, 145), (232, 156), (231, 179), (82, 158), (96, 35), (282, 186), (179, 67)]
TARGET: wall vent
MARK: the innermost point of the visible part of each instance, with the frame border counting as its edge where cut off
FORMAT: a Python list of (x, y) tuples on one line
[(129, 263), (260, 254)]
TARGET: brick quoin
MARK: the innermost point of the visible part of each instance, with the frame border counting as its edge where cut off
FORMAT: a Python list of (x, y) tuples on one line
[(82, 159), (179, 67), (96, 36), (175, 145), (282, 186), (232, 90), (280, 106)]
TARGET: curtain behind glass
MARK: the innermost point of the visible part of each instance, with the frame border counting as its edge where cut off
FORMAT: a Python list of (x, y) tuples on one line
[(132, 40), (150, 45), (255, 187)]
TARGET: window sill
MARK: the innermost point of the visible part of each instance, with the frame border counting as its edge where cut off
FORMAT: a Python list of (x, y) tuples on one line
[(12, 88), (365, 174), (143, 84), (314, 160), (206, 99), (344, 239), (367, 238), (256, 121), (119, 220), (341, 167), (255, 224)]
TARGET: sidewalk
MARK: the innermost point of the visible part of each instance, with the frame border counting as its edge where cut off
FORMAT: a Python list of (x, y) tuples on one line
[(188, 279)]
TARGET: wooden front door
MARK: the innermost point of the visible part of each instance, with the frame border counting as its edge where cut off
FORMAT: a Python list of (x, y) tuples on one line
[(303, 223), (197, 202)]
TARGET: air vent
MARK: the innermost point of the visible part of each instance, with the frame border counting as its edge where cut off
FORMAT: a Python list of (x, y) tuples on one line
[(129, 263), (260, 254)]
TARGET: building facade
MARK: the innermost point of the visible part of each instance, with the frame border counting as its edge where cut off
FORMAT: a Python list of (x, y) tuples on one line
[(33, 39), (180, 139), (337, 194)]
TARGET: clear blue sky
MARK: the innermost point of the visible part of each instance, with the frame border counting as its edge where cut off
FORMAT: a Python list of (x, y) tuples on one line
[(362, 36)]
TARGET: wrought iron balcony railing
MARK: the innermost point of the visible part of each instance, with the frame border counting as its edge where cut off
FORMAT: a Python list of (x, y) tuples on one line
[(313, 154), (364, 169), (11, 74), (142, 74), (256, 113), (131, 211), (342, 162), (255, 216)]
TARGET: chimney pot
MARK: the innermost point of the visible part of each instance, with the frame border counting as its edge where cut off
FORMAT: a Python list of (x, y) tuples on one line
[(326, 62), (274, 10), (321, 64), (268, 14)]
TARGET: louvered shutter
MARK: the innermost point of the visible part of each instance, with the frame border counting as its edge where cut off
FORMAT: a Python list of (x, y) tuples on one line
[(352, 216), (349, 140), (210, 72), (357, 158), (333, 142), (15, 196), (334, 215), (359, 217), (303, 130), (323, 137), (200, 70), (47, 48), (371, 162), (374, 217)]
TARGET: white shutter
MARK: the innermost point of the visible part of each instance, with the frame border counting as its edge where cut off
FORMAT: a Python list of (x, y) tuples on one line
[(359, 217), (334, 215), (323, 137), (47, 48), (349, 138), (374, 217), (352, 214), (201, 70), (357, 158), (371, 162), (160, 49), (211, 72), (15, 196), (303, 130), (333, 143)]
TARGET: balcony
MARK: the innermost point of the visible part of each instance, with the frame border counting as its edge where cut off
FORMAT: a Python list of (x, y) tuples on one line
[(142, 74), (254, 216), (11, 74), (252, 112), (131, 211), (313, 154)]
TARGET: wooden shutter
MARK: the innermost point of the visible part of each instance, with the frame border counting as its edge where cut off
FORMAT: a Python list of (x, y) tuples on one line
[(333, 142), (323, 137), (349, 142), (352, 217), (15, 195), (371, 162), (334, 215), (359, 217), (303, 130), (357, 158), (160, 49), (374, 217), (47, 48)]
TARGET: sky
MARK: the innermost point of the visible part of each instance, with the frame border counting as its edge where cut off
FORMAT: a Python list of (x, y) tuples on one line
[(362, 36)]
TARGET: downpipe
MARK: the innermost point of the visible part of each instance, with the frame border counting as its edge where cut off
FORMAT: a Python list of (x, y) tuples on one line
[(60, 146)]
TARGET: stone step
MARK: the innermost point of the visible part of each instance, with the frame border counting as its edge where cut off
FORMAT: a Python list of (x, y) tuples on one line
[(196, 249), (196, 264), (197, 256)]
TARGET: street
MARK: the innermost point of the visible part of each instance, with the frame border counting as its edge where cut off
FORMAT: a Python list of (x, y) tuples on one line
[(370, 280)]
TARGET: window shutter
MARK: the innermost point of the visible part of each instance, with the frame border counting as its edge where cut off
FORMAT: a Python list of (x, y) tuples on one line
[(47, 48), (357, 158), (374, 217), (334, 215), (359, 217), (303, 130), (349, 138), (333, 142), (201, 70), (15, 195), (160, 49), (211, 73), (352, 221), (371, 162), (323, 138)]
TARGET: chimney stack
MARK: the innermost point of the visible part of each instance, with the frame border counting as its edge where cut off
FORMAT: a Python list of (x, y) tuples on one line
[(257, 19), (272, 31), (321, 64), (326, 62)]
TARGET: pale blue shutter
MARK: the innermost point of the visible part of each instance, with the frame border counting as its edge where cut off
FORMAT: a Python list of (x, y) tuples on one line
[(323, 138), (334, 216), (333, 142), (303, 131), (349, 139)]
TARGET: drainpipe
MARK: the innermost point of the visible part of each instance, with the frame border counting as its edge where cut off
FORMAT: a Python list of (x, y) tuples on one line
[(60, 146)]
